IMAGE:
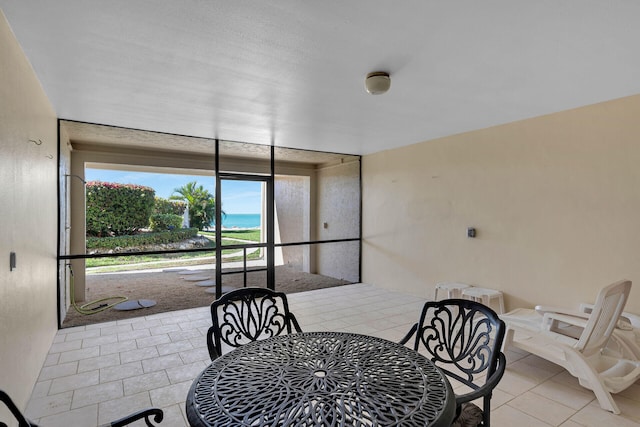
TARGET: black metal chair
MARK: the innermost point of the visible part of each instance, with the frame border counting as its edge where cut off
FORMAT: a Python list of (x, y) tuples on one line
[(245, 315), (463, 338), (145, 414)]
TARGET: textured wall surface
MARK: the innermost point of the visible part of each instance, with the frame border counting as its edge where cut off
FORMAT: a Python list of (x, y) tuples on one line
[(292, 205), (338, 207), (28, 208), (554, 199)]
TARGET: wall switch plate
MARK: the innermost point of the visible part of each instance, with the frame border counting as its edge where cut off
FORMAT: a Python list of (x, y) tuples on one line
[(471, 232), (12, 261)]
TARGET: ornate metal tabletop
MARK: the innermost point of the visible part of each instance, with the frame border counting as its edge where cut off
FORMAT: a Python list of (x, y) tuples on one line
[(321, 379)]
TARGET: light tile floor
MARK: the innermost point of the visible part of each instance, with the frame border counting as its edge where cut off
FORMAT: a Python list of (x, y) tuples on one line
[(97, 373)]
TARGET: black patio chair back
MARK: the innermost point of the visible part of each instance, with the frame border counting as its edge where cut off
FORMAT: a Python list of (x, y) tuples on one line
[(145, 415), (245, 315), (463, 338)]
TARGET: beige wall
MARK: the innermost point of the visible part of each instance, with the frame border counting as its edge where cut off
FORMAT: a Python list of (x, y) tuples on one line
[(292, 210), (555, 200), (28, 209), (338, 206)]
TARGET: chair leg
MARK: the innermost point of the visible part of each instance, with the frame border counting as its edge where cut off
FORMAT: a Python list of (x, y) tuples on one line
[(486, 411), (589, 378), (604, 396), (580, 368)]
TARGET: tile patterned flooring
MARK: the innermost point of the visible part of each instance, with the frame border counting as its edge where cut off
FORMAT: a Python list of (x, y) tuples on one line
[(97, 373)]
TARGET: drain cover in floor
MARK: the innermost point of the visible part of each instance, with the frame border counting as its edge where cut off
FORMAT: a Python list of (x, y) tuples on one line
[(134, 304), (196, 278)]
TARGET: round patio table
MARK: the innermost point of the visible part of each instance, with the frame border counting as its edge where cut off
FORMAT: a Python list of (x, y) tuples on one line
[(321, 379)]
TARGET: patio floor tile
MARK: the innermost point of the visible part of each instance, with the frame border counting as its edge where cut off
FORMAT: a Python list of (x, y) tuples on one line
[(98, 373)]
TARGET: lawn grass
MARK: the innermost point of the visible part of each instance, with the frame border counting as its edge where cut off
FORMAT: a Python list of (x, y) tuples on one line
[(121, 263), (252, 234)]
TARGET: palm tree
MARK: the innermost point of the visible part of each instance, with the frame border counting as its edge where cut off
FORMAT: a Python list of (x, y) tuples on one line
[(201, 203)]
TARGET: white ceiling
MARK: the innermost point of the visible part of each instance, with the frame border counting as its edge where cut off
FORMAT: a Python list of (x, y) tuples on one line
[(291, 72)]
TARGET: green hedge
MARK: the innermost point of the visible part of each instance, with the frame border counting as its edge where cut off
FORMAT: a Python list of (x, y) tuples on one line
[(173, 207), (141, 239), (163, 222), (117, 209)]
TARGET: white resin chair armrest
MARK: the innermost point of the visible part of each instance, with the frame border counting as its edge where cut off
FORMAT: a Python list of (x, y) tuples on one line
[(564, 324), (565, 318), (543, 309)]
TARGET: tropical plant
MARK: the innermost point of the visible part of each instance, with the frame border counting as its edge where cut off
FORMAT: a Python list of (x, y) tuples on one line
[(201, 204)]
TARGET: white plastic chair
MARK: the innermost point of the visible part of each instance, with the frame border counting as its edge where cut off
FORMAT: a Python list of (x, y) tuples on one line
[(625, 340), (578, 342), (484, 296), (451, 289)]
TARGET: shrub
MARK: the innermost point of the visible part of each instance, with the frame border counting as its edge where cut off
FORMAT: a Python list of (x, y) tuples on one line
[(134, 242), (164, 206), (162, 222), (117, 209)]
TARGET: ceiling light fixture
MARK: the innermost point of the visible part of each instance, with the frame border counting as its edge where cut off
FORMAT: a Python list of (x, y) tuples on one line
[(377, 82)]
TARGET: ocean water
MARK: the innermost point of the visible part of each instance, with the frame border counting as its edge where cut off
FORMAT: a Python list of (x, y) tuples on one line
[(241, 221)]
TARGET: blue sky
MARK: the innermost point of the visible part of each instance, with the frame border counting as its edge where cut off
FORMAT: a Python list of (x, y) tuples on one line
[(238, 197)]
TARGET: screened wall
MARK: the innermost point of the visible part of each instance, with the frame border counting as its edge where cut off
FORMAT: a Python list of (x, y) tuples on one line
[(304, 231)]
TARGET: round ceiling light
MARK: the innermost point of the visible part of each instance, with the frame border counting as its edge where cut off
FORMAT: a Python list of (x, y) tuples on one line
[(377, 82)]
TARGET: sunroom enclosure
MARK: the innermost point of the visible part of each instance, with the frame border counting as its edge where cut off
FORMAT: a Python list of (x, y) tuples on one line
[(310, 219)]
